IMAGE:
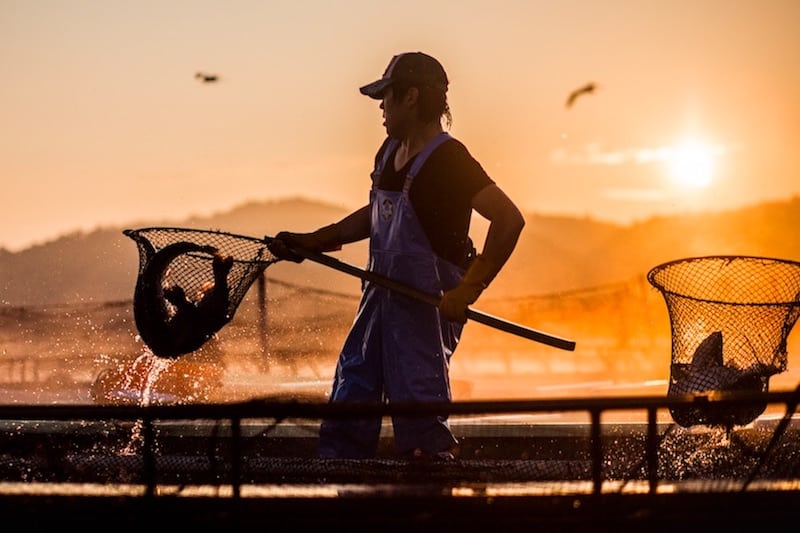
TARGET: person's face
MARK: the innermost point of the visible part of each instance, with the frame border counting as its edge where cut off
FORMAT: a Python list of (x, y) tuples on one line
[(395, 115)]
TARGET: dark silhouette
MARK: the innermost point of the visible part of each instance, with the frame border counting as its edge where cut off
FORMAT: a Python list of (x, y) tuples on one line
[(589, 88), (206, 78), (184, 325), (425, 186)]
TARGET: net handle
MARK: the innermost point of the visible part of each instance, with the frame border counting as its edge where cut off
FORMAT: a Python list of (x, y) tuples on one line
[(477, 316)]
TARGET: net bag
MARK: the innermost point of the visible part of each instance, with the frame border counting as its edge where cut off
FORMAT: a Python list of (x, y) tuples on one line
[(190, 283), (730, 318)]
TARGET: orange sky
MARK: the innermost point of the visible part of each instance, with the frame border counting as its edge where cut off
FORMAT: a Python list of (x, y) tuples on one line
[(104, 122)]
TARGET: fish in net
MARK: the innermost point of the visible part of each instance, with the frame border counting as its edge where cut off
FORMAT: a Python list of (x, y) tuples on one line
[(190, 283), (730, 317)]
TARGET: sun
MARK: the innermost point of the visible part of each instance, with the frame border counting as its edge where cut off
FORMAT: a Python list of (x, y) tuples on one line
[(691, 164)]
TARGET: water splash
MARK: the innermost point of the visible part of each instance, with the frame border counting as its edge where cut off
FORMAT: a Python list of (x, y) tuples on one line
[(150, 367), (687, 454)]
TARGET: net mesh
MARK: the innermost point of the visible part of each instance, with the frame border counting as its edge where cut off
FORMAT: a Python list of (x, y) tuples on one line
[(730, 318), (189, 266)]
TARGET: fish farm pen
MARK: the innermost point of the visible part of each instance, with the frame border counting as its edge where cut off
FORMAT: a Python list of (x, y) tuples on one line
[(562, 463), (719, 449)]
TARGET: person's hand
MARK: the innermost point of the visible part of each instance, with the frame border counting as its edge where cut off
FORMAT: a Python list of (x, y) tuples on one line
[(454, 303), (281, 246), (323, 240)]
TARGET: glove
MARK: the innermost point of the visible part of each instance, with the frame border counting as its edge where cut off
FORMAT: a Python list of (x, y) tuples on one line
[(323, 240), (454, 303)]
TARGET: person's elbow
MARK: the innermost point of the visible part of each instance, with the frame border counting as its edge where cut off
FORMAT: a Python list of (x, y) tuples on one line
[(504, 215), (517, 222), (513, 222)]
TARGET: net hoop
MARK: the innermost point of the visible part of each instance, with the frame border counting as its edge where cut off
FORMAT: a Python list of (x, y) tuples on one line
[(748, 305), (184, 258), (662, 278)]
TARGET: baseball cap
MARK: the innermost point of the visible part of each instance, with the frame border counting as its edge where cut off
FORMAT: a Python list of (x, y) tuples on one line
[(413, 67)]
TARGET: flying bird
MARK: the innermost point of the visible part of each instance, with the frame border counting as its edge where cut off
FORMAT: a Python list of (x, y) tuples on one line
[(206, 78), (589, 88)]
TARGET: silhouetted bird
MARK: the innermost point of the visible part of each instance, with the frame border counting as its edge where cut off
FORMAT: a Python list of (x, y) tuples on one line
[(589, 88), (206, 78)]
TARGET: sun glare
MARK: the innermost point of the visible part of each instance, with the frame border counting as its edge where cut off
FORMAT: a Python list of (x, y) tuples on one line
[(691, 164)]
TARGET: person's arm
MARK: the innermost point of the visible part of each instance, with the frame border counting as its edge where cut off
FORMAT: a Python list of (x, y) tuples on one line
[(505, 225), (354, 227)]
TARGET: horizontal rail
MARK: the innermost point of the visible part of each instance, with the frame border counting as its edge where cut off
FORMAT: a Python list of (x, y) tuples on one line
[(281, 410), (271, 408)]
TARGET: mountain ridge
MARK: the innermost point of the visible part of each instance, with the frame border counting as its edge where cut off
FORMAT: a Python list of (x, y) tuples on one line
[(554, 253)]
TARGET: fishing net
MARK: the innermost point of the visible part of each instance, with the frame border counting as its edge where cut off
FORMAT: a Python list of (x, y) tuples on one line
[(730, 318), (190, 283)]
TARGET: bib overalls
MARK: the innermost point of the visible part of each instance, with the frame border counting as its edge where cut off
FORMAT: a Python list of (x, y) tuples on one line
[(398, 348)]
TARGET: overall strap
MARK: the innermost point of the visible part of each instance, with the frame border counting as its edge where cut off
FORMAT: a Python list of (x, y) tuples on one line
[(432, 145), (388, 151)]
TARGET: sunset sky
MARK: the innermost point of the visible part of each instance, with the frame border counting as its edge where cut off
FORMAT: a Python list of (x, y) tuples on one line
[(104, 123)]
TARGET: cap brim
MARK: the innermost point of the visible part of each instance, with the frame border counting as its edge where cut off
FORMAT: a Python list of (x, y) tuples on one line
[(376, 88)]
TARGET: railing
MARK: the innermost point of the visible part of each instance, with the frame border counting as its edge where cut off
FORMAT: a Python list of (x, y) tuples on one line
[(289, 412), (20, 370)]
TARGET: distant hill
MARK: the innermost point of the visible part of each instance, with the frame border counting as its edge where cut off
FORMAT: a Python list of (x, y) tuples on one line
[(555, 254)]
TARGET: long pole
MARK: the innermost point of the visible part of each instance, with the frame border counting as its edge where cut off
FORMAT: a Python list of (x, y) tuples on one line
[(477, 316)]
